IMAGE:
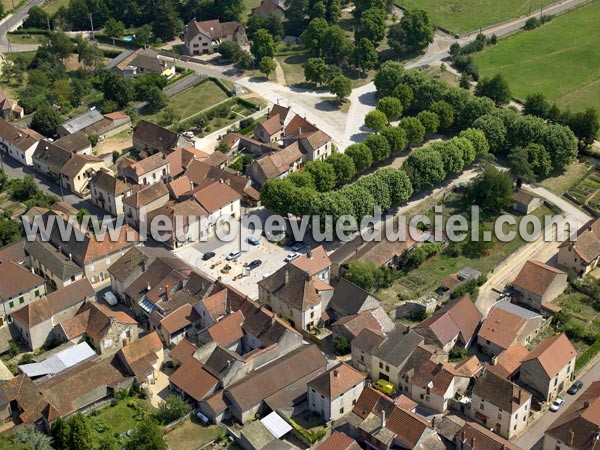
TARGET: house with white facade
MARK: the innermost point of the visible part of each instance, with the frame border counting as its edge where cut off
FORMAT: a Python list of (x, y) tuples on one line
[(17, 143), (201, 38)]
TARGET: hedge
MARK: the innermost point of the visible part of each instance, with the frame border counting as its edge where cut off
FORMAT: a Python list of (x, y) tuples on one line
[(587, 355), (132, 45), (38, 31), (222, 86)]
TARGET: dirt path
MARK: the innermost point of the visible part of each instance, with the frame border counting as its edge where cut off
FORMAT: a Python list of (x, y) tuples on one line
[(118, 143)]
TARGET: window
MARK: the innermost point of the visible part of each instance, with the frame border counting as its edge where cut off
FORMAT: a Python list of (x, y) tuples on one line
[(11, 304), (341, 410), (555, 381), (515, 427), (380, 365), (499, 416), (516, 416), (481, 406), (387, 368), (37, 292), (21, 300), (354, 402)]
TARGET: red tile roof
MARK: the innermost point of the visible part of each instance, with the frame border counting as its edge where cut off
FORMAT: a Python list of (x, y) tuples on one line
[(227, 330), (509, 361), (216, 196), (337, 380), (338, 441), (179, 319), (193, 379), (183, 350), (536, 277), (553, 354)]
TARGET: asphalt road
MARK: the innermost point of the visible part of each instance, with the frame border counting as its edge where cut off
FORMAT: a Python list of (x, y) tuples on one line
[(13, 21)]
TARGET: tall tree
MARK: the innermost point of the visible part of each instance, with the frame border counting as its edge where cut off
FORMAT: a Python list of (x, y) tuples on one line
[(323, 174), (267, 66), (425, 168), (390, 106), (412, 33), (45, 121), (343, 165), (495, 88), (262, 45), (372, 25), (315, 70), (376, 120), (148, 435), (492, 190), (585, 126), (229, 10), (295, 14), (82, 435), (336, 46), (361, 155), (341, 87), (312, 38), (364, 55)]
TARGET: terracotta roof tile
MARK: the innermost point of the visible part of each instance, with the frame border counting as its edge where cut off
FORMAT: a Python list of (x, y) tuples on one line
[(16, 280), (553, 354), (315, 263), (536, 277), (338, 441), (182, 317), (193, 379), (337, 380), (586, 241), (183, 350), (216, 196), (473, 433), (509, 361), (501, 327), (227, 330)]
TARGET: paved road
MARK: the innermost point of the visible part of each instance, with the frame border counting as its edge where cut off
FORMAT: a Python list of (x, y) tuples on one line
[(533, 437), (15, 170), (13, 21)]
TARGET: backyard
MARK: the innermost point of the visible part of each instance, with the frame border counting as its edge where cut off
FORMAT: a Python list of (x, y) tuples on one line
[(463, 16), (427, 277), (125, 415), (587, 190), (192, 435), (558, 59), (573, 173), (51, 6)]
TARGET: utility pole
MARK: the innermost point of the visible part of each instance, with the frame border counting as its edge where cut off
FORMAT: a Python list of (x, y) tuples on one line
[(92, 24), (48, 20)]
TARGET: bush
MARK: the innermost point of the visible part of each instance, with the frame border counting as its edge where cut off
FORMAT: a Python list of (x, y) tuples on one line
[(342, 345), (457, 354)]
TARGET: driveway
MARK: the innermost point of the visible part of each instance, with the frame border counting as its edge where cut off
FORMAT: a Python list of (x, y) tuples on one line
[(160, 390)]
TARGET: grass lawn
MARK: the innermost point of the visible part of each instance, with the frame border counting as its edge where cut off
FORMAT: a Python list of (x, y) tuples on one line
[(26, 38), (463, 16), (191, 435), (122, 416), (562, 183), (428, 276), (578, 307), (51, 6), (559, 59), (192, 101)]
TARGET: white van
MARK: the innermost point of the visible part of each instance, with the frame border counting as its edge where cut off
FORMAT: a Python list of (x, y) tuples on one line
[(110, 298)]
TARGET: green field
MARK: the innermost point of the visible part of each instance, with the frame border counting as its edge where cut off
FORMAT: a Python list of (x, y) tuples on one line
[(559, 59), (464, 16)]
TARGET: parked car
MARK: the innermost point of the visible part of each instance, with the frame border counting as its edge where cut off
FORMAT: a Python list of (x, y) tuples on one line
[(575, 387), (297, 246), (254, 264), (252, 240), (205, 420), (110, 298), (291, 257), (556, 404), (385, 386), (188, 134), (208, 255), (233, 255)]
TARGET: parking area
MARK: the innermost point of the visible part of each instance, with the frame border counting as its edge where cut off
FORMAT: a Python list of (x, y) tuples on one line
[(269, 253)]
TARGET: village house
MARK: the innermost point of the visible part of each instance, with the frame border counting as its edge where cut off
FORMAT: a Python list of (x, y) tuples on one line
[(107, 192), (295, 295), (135, 63), (143, 358), (182, 351), (49, 159), (429, 382), (550, 367), (18, 288), (537, 284), (140, 204), (76, 143), (315, 144), (380, 424), (36, 321), (173, 328), (270, 130), (150, 170), (383, 357), (111, 124), (336, 440), (125, 270), (349, 299), (284, 377), (278, 164), (524, 202), (92, 253), (189, 219), (151, 138), (455, 323), (9, 108), (505, 325), (352, 325), (577, 427), (334, 393), (202, 38), (508, 363), (581, 252), (58, 270), (218, 200), (104, 328), (15, 252), (473, 436), (500, 405), (180, 159), (267, 8), (79, 122), (192, 382), (17, 143), (76, 173)]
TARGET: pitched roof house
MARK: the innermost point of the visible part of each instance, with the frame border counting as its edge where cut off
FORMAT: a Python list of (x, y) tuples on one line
[(549, 367), (140, 62), (18, 288), (143, 358), (76, 173), (508, 363), (58, 270), (19, 144), (455, 322), (278, 164), (9, 108), (537, 284), (149, 136), (79, 122), (349, 299), (376, 320), (108, 191), (270, 7), (191, 380), (336, 440), (581, 251), (505, 325), (149, 170), (205, 37), (473, 436)]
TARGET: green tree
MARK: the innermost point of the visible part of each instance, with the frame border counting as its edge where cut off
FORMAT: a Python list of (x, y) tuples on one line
[(10, 231), (495, 88), (341, 87), (229, 10), (361, 199), (376, 120), (262, 45), (361, 155), (343, 166), (388, 78), (415, 131), (295, 14), (536, 105), (379, 146), (405, 94), (81, 435), (315, 70), (492, 190), (302, 179), (396, 137), (342, 345), (276, 193), (465, 81), (494, 130), (230, 49), (60, 44), (585, 125), (430, 121), (45, 121), (172, 408), (477, 138), (361, 273), (170, 116), (445, 113), (412, 33), (267, 66), (364, 55), (313, 37), (390, 106), (333, 11), (398, 183), (274, 25), (560, 142), (114, 28), (318, 10), (148, 435), (372, 25), (378, 188), (28, 438), (425, 168), (117, 89), (336, 47), (467, 148), (157, 100), (36, 18), (143, 35), (323, 174)]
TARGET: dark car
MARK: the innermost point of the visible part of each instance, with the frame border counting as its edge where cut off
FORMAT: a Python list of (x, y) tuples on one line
[(575, 387), (252, 240), (254, 264), (298, 246), (208, 255)]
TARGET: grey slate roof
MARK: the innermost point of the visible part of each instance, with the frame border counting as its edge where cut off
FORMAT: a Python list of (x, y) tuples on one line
[(83, 120), (349, 298), (53, 260), (516, 310)]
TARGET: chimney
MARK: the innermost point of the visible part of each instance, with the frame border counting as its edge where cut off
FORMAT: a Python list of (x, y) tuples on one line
[(287, 277), (167, 293), (143, 266), (586, 404), (520, 396), (228, 363), (464, 435), (383, 418), (309, 253), (221, 180), (70, 257), (59, 248), (433, 422), (148, 287), (336, 373), (571, 438)]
